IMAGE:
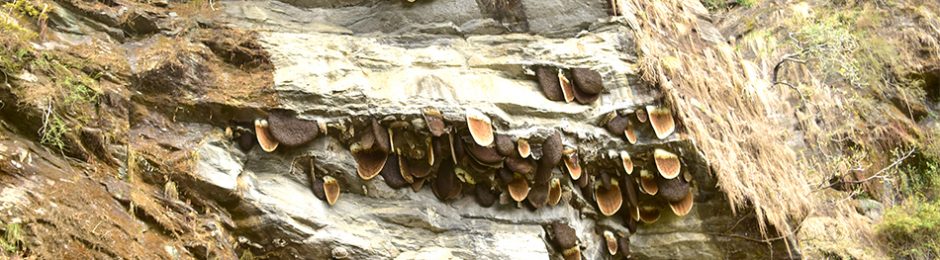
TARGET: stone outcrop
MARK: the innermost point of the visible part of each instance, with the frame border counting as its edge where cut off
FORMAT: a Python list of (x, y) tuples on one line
[(333, 65), (195, 90)]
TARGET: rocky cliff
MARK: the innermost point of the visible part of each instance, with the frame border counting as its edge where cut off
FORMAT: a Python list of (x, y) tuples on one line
[(361, 129)]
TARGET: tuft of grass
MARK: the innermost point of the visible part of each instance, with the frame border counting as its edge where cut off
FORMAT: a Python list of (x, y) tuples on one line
[(78, 88), (920, 179), (53, 130), (75, 88), (13, 45), (12, 240), (14, 52), (910, 230)]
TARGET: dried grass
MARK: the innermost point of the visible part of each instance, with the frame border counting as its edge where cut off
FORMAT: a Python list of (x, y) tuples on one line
[(728, 107), (769, 144), (839, 234)]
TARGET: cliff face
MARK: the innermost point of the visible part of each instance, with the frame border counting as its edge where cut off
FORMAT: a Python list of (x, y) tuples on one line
[(390, 61), (153, 121)]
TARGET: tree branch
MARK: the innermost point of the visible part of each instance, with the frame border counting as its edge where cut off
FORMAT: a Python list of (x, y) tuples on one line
[(879, 174), (789, 57)]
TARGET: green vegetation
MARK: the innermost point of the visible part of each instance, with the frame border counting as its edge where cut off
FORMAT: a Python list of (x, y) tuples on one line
[(12, 240), (842, 44), (910, 230), (16, 35), (60, 72), (715, 5), (852, 76), (14, 52), (842, 49), (76, 87), (746, 3), (11, 56), (28, 8), (53, 130), (920, 181)]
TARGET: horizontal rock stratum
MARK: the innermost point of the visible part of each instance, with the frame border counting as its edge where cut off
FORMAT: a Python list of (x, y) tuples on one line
[(345, 73), (462, 129)]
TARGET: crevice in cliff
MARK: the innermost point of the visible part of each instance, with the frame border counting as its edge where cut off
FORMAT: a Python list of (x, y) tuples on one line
[(931, 83)]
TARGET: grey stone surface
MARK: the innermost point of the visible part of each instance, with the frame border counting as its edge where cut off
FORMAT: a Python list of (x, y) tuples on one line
[(409, 226), (396, 59), (219, 167), (545, 17), (870, 208), (329, 75), (372, 221)]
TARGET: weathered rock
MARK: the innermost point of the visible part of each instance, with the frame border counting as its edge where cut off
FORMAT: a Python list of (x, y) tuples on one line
[(825, 236), (219, 166), (180, 70), (350, 61), (322, 68), (556, 17), (365, 218), (363, 224), (870, 208), (177, 81)]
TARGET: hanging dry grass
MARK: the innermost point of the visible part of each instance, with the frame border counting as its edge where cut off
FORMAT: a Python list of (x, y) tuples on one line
[(842, 82), (727, 108)]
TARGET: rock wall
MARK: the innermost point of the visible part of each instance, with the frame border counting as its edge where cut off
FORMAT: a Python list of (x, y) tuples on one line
[(344, 62), (184, 175)]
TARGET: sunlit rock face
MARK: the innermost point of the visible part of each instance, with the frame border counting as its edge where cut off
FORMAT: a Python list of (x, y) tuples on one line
[(345, 63)]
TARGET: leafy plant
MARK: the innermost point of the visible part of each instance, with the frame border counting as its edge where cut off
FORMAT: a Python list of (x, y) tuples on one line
[(53, 130), (910, 230), (28, 8), (920, 179), (16, 55), (14, 52)]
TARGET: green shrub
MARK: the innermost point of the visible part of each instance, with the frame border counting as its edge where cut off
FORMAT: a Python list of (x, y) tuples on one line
[(921, 181), (919, 176), (746, 3), (715, 5), (910, 230)]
